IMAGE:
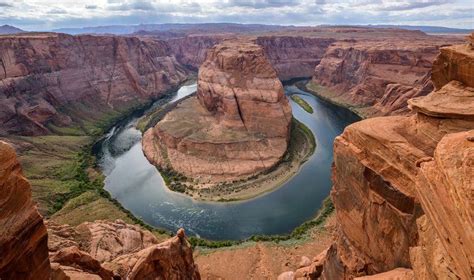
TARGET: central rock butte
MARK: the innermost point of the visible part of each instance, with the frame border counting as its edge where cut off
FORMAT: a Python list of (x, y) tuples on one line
[(237, 126)]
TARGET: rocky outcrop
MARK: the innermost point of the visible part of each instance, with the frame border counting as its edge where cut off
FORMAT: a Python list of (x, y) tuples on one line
[(117, 250), (294, 56), (377, 78), (403, 188), (237, 126), (55, 80), (445, 187), (172, 259), (23, 236), (454, 63), (98, 250), (103, 240)]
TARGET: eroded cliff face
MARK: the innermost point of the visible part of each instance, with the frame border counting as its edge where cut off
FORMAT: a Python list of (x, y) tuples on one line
[(23, 236), (56, 80), (290, 56), (294, 56), (191, 50), (403, 187), (237, 126), (377, 78), (106, 250), (97, 250)]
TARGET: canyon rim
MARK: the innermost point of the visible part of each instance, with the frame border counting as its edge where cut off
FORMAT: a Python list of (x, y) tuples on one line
[(234, 150)]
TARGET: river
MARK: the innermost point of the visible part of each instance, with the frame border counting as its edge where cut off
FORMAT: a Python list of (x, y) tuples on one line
[(139, 187)]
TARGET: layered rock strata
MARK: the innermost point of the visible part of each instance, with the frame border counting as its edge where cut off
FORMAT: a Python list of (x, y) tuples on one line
[(377, 78), (23, 236), (52, 80), (403, 187), (120, 251), (98, 250), (294, 56), (237, 126)]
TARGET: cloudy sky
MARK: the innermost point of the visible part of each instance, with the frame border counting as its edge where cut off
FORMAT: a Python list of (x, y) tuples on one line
[(50, 14)]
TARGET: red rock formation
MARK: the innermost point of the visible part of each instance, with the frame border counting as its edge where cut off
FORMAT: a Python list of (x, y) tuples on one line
[(294, 56), (377, 78), (192, 50), (51, 80), (23, 236), (403, 188), (236, 127), (291, 56), (99, 250), (103, 240), (172, 259), (115, 249)]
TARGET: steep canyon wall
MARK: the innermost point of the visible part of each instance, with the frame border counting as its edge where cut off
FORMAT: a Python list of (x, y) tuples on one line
[(49, 81), (403, 186)]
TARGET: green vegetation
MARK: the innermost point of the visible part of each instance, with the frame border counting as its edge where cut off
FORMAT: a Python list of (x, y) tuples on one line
[(333, 98), (298, 233), (303, 104), (69, 188)]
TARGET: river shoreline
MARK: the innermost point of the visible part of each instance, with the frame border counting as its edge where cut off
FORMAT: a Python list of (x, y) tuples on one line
[(302, 146), (314, 89), (151, 202)]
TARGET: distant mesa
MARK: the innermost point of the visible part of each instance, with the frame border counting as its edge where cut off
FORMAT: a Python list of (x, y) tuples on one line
[(8, 29), (237, 126)]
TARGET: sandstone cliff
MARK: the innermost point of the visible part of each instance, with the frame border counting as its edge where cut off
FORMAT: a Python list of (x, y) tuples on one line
[(294, 56), (56, 80), (403, 187), (376, 77), (98, 250), (291, 56), (23, 236), (237, 126), (191, 50)]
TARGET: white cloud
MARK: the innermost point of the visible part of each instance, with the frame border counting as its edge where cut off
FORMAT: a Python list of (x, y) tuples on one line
[(49, 14)]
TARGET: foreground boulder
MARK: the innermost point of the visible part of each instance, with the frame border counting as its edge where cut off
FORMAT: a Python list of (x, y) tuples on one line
[(237, 126), (403, 187), (106, 250), (23, 236)]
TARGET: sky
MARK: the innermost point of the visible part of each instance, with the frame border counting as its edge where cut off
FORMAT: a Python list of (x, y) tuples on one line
[(42, 15)]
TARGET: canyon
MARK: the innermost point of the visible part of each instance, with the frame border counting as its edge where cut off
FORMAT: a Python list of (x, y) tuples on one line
[(402, 183), (237, 126), (66, 76), (403, 186), (98, 250), (53, 81)]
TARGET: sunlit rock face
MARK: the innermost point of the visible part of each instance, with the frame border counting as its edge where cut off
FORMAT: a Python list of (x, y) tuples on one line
[(49, 80), (23, 236), (377, 77), (403, 186), (237, 125), (116, 250)]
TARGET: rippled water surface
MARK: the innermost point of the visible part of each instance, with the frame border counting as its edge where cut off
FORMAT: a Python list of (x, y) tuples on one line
[(133, 181)]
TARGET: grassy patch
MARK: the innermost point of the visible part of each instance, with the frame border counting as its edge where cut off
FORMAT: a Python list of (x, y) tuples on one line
[(303, 104), (331, 97)]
